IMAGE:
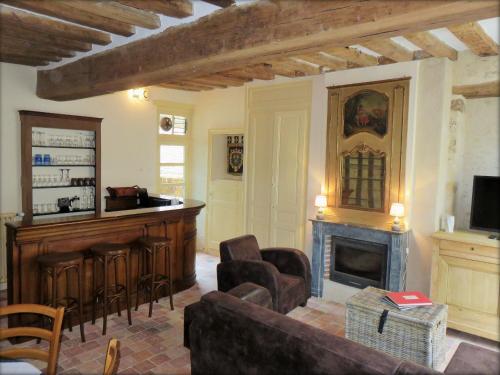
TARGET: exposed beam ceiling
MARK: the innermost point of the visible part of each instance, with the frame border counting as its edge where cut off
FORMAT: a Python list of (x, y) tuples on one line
[(220, 3), (17, 18), (242, 39), (353, 55), (480, 90), (323, 61), (118, 12), (260, 71), (43, 39), (23, 60), (432, 45), (63, 10), (474, 37), (172, 8), (389, 49)]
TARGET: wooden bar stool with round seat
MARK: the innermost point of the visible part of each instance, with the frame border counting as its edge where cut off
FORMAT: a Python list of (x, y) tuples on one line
[(150, 281), (110, 254), (52, 266)]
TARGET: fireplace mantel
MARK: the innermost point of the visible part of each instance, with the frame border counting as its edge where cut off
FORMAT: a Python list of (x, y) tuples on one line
[(396, 242)]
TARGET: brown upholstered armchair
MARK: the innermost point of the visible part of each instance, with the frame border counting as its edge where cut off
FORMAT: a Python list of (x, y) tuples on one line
[(285, 272)]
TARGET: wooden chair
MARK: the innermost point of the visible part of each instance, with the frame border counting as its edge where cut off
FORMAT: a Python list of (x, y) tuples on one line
[(53, 337), (112, 357)]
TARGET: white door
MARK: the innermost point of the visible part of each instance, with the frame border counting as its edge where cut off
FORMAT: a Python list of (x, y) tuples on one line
[(225, 212), (277, 166), (224, 192), (289, 190)]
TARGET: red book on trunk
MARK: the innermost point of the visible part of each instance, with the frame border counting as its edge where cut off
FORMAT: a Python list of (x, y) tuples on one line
[(409, 299)]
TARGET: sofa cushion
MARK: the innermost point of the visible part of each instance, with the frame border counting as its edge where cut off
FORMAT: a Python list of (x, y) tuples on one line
[(292, 292), (473, 360), (240, 248), (253, 293), (231, 336)]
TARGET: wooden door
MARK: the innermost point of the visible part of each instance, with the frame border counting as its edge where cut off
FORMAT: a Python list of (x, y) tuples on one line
[(224, 192), (260, 175), (288, 179), (278, 128), (225, 212)]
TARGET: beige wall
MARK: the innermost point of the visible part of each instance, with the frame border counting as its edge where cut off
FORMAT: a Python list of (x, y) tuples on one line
[(128, 131)]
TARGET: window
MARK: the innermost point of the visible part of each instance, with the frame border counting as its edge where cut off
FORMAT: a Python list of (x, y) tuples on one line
[(173, 145)]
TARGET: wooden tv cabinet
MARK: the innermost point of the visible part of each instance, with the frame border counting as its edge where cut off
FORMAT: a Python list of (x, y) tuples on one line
[(466, 277)]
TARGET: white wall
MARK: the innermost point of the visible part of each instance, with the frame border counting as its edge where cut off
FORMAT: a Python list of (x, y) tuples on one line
[(480, 131), (129, 130)]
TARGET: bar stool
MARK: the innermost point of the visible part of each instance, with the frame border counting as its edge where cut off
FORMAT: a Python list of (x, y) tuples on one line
[(53, 266), (149, 280), (107, 253)]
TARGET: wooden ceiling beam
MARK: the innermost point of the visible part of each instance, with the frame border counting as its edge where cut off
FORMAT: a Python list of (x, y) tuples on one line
[(118, 12), (43, 39), (432, 45), (25, 45), (474, 37), (323, 61), (228, 80), (18, 18), (187, 84), (259, 71), (389, 49), (176, 86), (28, 53), (220, 3), (294, 65), (63, 11), (479, 90), (172, 8), (292, 28), (353, 55), (207, 82), (22, 60)]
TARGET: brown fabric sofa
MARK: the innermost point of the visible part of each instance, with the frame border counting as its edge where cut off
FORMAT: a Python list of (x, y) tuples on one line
[(285, 272), (233, 336)]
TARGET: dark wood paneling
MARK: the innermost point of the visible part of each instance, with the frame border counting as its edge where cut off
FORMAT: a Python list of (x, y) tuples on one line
[(28, 239)]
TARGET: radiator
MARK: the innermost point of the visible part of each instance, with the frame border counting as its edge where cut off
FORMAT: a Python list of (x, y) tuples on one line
[(4, 218)]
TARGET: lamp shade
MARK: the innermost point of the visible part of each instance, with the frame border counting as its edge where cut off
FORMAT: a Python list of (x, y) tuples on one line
[(320, 201), (397, 210)]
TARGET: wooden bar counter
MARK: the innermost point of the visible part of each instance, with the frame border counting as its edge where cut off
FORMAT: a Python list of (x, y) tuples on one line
[(28, 239)]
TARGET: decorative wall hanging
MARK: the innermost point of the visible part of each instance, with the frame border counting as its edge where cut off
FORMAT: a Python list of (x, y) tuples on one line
[(235, 155), (366, 146)]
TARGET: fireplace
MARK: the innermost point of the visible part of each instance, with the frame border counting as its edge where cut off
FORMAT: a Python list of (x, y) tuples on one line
[(358, 263), (354, 254)]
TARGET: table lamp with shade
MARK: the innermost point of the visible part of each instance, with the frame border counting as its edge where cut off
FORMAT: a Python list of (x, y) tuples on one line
[(321, 203), (397, 211)]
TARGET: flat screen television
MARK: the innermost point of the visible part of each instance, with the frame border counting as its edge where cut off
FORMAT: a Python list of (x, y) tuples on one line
[(485, 211)]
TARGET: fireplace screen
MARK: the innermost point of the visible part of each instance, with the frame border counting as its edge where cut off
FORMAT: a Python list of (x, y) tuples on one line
[(358, 263)]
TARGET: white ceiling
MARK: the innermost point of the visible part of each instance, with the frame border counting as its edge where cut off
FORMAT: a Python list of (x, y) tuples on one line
[(200, 9)]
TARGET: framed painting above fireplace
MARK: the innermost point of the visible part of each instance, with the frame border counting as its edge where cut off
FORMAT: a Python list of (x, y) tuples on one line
[(366, 149)]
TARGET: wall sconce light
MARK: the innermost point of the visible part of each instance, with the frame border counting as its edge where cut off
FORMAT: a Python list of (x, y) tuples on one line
[(321, 203), (139, 93), (397, 210)]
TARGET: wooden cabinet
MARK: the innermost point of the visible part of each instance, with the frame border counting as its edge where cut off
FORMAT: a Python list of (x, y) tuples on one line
[(60, 164), (466, 276)]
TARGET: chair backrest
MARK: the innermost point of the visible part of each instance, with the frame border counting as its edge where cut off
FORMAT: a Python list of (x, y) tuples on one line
[(112, 357), (240, 248), (53, 337)]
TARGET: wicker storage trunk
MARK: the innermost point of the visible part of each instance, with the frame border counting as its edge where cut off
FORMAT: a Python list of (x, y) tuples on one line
[(417, 335)]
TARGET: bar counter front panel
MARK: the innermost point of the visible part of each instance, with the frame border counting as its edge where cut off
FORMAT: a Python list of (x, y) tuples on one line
[(28, 239)]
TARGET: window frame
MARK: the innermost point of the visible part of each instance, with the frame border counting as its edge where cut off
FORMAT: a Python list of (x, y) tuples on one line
[(176, 109)]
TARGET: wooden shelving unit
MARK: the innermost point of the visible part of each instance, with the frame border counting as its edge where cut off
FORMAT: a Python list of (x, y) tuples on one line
[(71, 127)]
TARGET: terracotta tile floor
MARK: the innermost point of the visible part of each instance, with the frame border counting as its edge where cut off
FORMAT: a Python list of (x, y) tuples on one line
[(154, 345)]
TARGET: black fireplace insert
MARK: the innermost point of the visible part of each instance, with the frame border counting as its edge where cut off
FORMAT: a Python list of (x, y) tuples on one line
[(358, 263)]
